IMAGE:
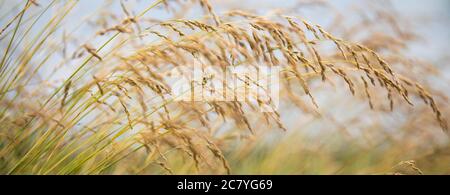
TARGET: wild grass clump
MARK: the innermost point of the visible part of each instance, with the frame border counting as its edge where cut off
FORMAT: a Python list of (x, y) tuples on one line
[(109, 101)]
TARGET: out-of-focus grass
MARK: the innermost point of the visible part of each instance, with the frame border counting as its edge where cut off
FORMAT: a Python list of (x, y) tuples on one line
[(335, 155)]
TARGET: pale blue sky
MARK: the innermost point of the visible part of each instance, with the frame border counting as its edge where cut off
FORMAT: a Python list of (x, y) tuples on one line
[(431, 18)]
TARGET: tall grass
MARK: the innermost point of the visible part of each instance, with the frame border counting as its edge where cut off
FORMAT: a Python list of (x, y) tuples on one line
[(100, 103)]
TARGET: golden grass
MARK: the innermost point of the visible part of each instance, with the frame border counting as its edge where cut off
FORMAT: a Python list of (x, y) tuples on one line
[(111, 113)]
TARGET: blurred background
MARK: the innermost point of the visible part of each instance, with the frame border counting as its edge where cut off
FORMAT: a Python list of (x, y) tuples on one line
[(342, 136)]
